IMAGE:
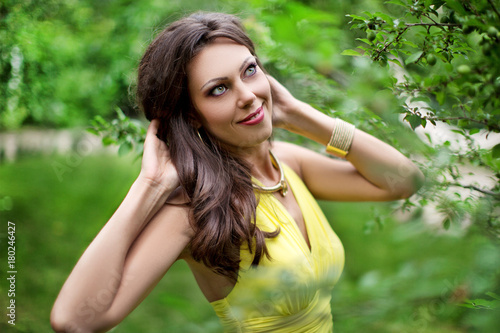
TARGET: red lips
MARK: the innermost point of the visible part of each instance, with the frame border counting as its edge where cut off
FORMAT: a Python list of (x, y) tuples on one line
[(253, 118)]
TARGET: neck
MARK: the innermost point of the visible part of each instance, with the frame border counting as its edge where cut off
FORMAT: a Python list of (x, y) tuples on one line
[(261, 164)]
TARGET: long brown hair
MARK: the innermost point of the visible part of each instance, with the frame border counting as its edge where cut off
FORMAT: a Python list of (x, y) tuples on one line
[(218, 184)]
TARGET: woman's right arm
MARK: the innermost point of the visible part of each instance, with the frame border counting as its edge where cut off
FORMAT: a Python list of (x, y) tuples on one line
[(131, 253)]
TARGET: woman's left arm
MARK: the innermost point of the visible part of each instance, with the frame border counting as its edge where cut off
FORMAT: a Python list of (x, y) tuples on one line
[(374, 171)]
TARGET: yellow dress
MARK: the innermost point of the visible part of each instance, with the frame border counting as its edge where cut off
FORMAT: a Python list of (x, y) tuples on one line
[(290, 292)]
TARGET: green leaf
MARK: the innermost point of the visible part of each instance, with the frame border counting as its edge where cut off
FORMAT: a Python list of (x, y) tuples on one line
[(446, 224), (456, 6), (414, 120), (367, 13), (468, 305), (421, 98), (93, 131), (356, 17), (493, 295), (429, 136), (482, 304), (495, 151), (461, 132), (396, 61), (125, 148), (440, 97), (350, 53), (407, 42), (413, 58), (120, 114), (364, 40), (100, 120), (108, 141), (385, 17), (379, 222)]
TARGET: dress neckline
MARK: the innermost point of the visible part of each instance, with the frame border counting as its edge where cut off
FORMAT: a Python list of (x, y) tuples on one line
[(304, 242)]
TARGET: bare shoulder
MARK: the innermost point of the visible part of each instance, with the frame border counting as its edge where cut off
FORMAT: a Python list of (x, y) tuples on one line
[(292, 155), (287, 153), (327, 178)]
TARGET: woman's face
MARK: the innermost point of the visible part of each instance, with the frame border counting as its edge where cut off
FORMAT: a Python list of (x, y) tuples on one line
[(231, 94)]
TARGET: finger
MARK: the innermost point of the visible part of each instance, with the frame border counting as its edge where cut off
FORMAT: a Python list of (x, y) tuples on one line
[(277, 88), (272, 81), (272, 84), (151, 139), (153, 127), (271, 78)]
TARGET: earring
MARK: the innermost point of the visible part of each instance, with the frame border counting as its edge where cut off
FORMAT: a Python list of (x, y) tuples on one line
[(200, 136)]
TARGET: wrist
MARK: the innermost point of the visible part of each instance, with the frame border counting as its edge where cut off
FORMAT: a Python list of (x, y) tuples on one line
[(148, 184), (141, 203), (293, 116), (341, 139)]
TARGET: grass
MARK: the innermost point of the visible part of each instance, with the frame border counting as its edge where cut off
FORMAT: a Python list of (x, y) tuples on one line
[(404, 278)]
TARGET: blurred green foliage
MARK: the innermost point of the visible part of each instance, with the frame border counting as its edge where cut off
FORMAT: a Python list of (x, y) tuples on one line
[(72, 63), (63, 62), (446, 73)]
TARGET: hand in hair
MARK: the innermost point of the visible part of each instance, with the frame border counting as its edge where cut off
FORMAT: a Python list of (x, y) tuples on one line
[(157, 166), (284, 104)]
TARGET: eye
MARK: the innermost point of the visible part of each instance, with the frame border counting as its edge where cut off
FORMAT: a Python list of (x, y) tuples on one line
[(251, 70), (219, 90)]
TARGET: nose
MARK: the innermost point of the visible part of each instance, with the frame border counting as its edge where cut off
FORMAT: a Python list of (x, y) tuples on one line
[(246, 96)]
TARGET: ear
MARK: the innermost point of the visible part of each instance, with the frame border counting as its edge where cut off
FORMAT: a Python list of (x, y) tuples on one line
[(194, 120)]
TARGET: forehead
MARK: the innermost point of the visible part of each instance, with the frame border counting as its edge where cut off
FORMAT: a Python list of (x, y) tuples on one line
[(221, 58)]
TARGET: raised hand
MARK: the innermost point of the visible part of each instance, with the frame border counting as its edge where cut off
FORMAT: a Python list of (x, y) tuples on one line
[(157, 167), (284, 104)]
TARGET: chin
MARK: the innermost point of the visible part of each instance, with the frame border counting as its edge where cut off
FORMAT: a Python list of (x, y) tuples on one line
[(249, 142), (264, 135)]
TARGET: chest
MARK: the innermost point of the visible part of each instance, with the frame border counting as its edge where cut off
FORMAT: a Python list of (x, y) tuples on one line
[(291, 206)]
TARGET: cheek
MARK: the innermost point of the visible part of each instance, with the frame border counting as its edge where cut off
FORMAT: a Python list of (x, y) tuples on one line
[(263, 87), (215, 114)]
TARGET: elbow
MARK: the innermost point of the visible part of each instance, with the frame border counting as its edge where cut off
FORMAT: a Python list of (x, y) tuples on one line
[(60, 323), (415, 180), (402, 185), (63, 322), (81, 317)]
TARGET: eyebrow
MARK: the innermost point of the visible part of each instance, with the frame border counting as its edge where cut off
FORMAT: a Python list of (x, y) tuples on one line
[(225, 77)]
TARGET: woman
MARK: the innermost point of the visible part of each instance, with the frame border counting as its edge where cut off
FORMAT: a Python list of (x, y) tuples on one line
[(216, 192)]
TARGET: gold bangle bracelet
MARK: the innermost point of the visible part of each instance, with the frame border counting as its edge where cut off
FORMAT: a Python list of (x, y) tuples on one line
[(341, 139)]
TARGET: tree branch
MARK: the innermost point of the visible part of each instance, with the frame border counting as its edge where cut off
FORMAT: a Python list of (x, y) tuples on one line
[(475, 188), (433, 24), (484, 122), (384, 49), (494, 8)]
